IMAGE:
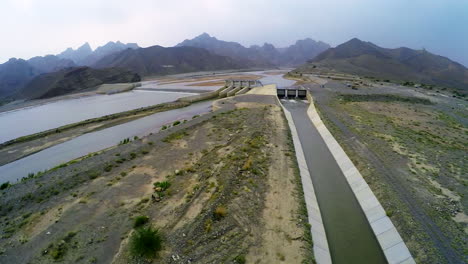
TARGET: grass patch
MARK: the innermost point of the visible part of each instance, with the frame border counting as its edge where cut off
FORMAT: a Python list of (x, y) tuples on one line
[(163, 185), (58, 250), (146, 242), (140, 220), (175, 136), (220, 212), (383, 98)]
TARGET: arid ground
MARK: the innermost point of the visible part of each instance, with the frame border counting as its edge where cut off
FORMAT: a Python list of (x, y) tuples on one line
[(232, 195), (410, 145)]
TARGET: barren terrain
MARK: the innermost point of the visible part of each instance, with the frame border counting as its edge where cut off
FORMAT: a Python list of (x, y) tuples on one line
[(410, 145), (234, 195)]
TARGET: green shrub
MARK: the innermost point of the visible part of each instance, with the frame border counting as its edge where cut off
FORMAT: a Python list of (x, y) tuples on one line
[(146, 242), (140, 220), (93, 175), (125, 141), (164, 127), (108, 168), (163, 185), (240, 259), (176, 123), (5, 185)]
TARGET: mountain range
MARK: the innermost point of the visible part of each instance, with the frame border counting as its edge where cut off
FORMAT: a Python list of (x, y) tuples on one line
[(260, 56), (207, 53), (75, 79), (401, 64), (16, 73), (157, 60), (84, 55)]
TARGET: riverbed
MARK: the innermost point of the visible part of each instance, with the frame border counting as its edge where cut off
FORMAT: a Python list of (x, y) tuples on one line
[(96, 141), (34, 119)]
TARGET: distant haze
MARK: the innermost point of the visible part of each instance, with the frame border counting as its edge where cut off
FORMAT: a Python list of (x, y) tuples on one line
[(38, 27)]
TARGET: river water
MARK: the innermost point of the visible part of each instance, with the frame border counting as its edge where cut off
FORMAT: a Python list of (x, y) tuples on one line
[(95, 141), (30, 120), (34, 119)]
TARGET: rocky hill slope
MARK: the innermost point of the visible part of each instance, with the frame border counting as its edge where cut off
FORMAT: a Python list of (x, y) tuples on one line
[(72, 80), (401, 64)]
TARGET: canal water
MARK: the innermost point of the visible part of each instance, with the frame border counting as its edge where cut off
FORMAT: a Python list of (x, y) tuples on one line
[(350, 237)]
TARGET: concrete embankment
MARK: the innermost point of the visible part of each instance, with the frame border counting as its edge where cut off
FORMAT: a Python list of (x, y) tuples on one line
[(389, 239), (319, 237)]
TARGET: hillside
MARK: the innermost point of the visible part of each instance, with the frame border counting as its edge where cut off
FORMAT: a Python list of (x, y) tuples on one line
[(14, 74), (260, 56), (157, 60), (50, 63), (401, 64), (73, 80)]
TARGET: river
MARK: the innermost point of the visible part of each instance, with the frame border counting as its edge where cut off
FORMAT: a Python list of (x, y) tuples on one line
[(34, 119), (95, 141)]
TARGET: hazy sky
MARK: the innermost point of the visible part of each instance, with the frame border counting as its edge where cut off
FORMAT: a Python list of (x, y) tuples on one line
[(39, 27)]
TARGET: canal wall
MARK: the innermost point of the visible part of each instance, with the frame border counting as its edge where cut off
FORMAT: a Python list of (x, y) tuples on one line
[(319, 237), (390, 241)]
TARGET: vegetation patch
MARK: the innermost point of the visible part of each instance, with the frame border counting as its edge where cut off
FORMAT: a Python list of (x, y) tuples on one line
[(175, 136), (383, 98), (146, 243), (140, 220)]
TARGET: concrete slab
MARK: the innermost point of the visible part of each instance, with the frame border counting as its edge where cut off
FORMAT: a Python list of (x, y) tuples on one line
[(322, 256), (397, 253), (369, 203), (344, 163), (409, 260), (389, 238), (356, 182), (320, 240), (364, 194), (375, 213), (314, 214), (382, 225), (350, 171), (317, 227)]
